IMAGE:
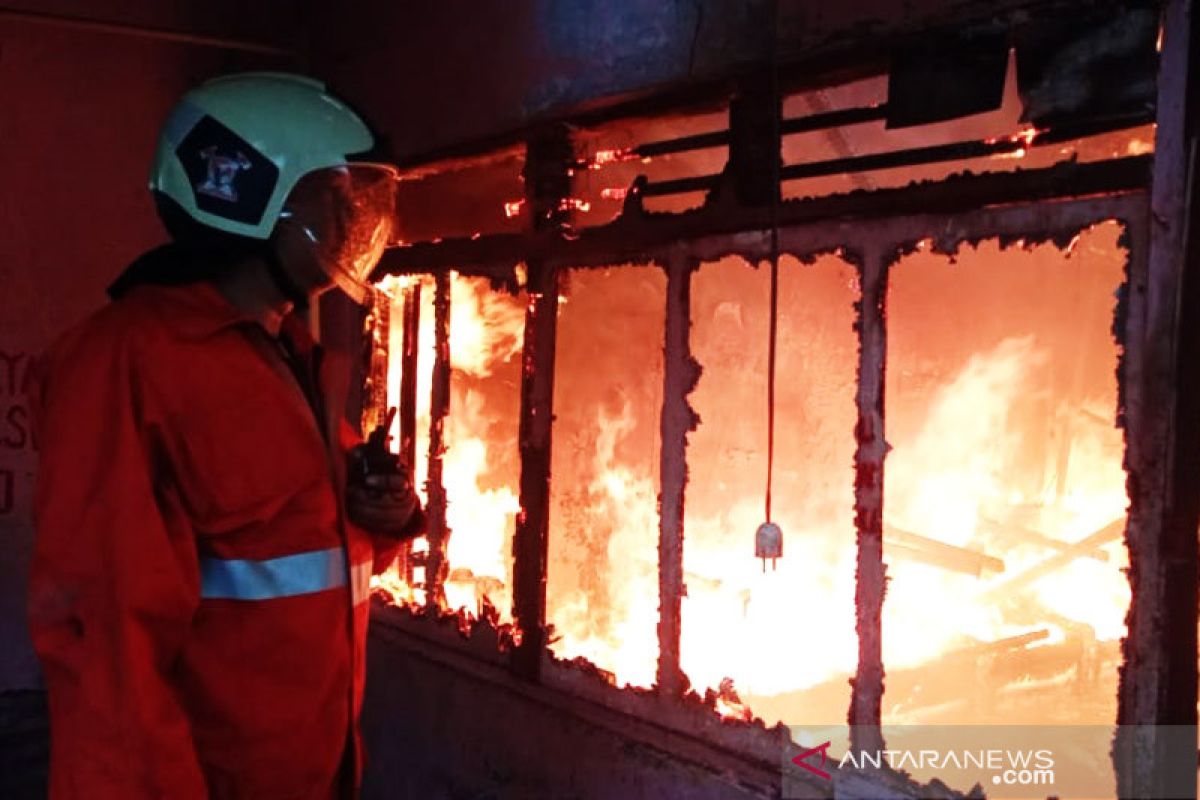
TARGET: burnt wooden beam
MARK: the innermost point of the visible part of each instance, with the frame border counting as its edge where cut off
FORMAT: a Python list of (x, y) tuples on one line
[(1073, 551), (650, 236), (408, 373), (805, 124), (1024, 535), (912, 157), (439, 409), (373, 391), (955, 151), (407, 392), (871, 574), (678, 419), (896, 551), (547, 183), (833, 119), (1154, 751), (683, 144), (937, 553), (531, 538), (754, 144)]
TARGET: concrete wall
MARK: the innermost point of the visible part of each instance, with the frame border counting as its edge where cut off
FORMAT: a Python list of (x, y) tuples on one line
[(81, 110), (439, 724)]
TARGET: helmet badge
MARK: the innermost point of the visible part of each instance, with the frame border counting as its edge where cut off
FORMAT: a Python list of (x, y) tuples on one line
[(222, 170)]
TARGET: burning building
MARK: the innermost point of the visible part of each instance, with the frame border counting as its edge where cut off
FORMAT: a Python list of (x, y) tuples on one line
[(915, 288), (919, 337)]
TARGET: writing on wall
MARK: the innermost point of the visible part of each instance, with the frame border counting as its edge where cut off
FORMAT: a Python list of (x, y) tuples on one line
[(18, 441)]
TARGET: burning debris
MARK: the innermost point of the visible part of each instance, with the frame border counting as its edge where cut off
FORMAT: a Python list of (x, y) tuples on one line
[(726, 702), (973, 512), (987, 364)]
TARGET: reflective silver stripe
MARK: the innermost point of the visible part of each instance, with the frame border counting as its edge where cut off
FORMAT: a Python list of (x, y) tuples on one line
[(286, 576), (360, 582)]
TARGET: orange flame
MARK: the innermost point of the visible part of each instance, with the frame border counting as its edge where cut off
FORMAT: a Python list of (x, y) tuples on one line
[(612, 156), (965, 462)]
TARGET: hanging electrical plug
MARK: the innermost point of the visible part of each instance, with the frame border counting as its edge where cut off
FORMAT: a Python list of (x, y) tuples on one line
[(768, 543)]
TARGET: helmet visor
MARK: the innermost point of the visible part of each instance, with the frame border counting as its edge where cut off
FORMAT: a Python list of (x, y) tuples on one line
[(347, 214)]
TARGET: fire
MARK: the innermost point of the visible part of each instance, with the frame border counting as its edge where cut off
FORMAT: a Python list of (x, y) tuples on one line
[(574, 204), (1026, 135), (1013, 456), (725, 701), (1025, 138), (951, 490), (1000, 405), (612, 156), (618, 501), (1139, 147), (485, 341)]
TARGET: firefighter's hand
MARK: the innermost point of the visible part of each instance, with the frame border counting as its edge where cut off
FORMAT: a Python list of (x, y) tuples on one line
[(382, 504)]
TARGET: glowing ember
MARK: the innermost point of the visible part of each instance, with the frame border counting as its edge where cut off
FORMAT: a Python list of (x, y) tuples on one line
[(613, 193), (1139, 147), (1024, 137), (513, 208), (574, 204), (726, 702), (602, 157)]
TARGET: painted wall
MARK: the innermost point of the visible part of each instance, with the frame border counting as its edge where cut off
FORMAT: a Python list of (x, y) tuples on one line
[(81, 111)]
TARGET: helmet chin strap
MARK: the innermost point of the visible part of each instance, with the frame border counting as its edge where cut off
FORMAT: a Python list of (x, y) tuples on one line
[(283, 281)]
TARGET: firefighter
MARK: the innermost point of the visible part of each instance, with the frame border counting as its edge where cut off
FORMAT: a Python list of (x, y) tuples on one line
[(198, 596)]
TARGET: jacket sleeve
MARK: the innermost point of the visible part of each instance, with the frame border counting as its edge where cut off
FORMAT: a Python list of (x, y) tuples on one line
[(114, 581), (386, 547)]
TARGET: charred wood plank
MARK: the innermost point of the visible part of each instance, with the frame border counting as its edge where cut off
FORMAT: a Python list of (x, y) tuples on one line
[(650, 236), (1020, 533), (407, 393), (913, 157), (547, 182), (439, 409), (936, 553), (871, 574), (1075, 550), (681, 372), (408, 374), (805, 124), (1158, 686)]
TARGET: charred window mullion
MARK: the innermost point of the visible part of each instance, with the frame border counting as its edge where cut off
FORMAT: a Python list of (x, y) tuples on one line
[(865, 703), (548, 161), (680, 374), (439, 409)]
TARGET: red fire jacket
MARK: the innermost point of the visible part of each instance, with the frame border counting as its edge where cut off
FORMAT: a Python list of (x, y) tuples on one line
[(197, 599)]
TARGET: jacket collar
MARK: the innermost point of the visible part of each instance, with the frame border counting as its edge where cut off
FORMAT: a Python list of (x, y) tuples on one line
[(198, 311)]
